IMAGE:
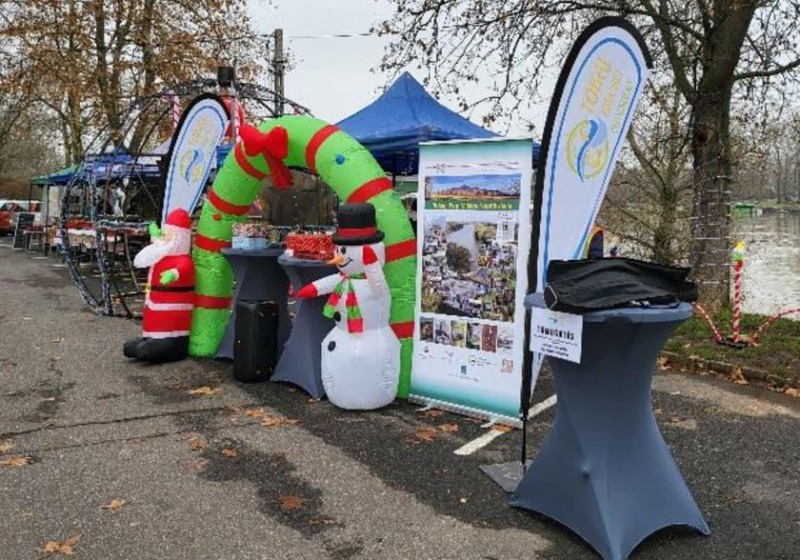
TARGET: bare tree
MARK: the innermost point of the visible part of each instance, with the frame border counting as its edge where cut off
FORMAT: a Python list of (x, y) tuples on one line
[(25, 151), (713, 51), (648, 205), (87, 60)]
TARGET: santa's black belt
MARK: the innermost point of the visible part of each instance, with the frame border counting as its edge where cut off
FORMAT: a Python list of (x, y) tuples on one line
[(171, 288)]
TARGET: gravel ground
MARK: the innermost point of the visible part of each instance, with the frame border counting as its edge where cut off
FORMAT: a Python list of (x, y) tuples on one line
[(201, 479)]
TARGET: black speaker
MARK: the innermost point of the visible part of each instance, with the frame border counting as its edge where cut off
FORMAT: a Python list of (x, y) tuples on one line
[(226, 75), (255, 347)]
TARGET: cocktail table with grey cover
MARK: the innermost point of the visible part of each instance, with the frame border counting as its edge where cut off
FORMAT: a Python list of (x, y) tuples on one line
[(301, 362), (604, 470), (258, 278)]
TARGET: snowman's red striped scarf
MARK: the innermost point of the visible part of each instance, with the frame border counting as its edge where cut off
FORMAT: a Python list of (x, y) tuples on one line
[(355, 322)]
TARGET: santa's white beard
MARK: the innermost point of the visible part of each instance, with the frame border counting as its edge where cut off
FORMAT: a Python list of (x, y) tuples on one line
[(153, 253)]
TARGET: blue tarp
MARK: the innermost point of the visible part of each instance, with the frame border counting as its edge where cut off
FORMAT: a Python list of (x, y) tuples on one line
[(392, 127), (117, 164)]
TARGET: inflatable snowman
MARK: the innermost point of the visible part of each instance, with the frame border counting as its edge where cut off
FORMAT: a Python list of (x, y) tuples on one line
[(361, 355)]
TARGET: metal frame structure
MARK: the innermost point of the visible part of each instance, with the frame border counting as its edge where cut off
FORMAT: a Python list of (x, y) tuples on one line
[(103, 270)]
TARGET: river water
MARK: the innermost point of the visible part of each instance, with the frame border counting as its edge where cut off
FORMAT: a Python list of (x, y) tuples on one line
[(771, 278)]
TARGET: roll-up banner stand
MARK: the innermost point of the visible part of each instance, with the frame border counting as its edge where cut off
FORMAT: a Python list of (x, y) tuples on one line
[(475, 229), (193, 152), (590, 113)]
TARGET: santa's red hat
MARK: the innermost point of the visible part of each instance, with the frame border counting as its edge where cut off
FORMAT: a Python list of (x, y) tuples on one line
[(179, 218)]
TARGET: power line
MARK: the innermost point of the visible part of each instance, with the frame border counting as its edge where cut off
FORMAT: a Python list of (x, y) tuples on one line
[(335, 36)]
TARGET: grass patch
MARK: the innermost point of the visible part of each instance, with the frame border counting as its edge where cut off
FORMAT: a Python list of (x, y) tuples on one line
[(777, 352)]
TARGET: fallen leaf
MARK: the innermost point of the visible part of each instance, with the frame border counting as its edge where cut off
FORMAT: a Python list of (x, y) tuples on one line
[(18, 461), (66, 547), (741, 381), (791, 391), (50, 399), (5, 446), (674, 419), (198, 465), (662, 363), (203, 391), (463, 500), (276, 421), (449, 428), (432, 413), (268, 419), (426, 434), (289, 503), (502, 428), (197, 443), (229, 453), (657, 412), (114, 505), (734, 498), (59, 339)]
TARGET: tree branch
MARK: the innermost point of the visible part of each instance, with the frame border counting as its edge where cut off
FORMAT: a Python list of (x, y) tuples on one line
[(767, 73)]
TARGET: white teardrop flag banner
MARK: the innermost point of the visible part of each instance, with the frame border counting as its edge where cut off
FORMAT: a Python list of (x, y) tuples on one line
[(595, 98), (590, 114), (193, 152)]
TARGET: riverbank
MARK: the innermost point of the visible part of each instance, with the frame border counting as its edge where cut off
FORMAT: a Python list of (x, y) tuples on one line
[(774, 360), (773, 205)]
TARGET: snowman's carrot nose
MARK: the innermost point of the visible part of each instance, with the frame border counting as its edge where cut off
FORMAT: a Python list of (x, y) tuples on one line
[(338, 260)]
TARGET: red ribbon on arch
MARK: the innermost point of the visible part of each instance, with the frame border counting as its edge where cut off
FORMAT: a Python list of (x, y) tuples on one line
[(274, 146)]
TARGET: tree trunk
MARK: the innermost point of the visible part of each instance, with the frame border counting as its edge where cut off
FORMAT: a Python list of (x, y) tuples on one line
[(711, 204), (664, 234), (149, 65)]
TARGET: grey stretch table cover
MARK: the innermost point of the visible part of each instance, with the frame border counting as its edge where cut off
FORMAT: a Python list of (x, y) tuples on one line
[(258, 278), (604, 470), (301, 362)]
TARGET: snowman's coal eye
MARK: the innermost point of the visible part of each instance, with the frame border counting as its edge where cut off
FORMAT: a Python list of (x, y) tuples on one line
[(344, 250)]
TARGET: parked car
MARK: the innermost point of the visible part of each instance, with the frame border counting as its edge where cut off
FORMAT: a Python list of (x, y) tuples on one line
[(7, 210), (10, 209)]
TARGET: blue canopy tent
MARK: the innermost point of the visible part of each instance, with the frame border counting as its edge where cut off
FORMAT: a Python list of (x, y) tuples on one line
[(392, 126)]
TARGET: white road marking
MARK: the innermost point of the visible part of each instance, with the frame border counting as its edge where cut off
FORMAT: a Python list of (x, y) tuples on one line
[(487, 438), (538, 408), (482, 441)]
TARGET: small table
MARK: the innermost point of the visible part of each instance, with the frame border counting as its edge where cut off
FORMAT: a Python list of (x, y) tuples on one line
[(604, 470), (301, 362), (34, 235), (258, 278)]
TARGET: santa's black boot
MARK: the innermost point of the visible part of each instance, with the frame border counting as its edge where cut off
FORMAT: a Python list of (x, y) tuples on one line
[(161, 350), (129, 348)]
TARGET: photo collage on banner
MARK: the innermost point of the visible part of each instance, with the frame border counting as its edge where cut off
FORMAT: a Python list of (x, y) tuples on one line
[(474, 225)]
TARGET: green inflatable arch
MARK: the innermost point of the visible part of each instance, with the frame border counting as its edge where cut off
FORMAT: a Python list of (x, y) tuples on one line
[(354, 175)]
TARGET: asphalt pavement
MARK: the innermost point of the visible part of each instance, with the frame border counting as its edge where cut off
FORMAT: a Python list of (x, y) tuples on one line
[(128, 464)]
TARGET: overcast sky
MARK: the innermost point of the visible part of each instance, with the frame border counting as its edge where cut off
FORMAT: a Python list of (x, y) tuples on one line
[(336, 77)]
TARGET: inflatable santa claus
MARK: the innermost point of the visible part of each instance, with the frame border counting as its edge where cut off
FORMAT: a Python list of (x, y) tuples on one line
[(167, 315)]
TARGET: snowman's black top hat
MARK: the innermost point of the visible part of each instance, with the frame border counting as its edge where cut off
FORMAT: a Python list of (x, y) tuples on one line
[(357, 225)]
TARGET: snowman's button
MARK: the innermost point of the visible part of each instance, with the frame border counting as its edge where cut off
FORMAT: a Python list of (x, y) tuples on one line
[(337, 316), (331, 346)]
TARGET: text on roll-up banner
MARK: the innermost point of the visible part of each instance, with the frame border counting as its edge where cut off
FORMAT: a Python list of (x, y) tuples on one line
[(556, 334)]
